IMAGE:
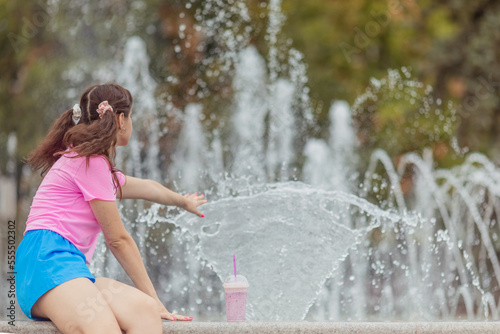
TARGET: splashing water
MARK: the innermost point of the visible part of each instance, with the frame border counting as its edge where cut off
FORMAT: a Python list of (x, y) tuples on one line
[(286, 260)]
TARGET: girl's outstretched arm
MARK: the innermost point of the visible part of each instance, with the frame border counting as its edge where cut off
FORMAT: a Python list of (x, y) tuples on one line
[(149, 190)]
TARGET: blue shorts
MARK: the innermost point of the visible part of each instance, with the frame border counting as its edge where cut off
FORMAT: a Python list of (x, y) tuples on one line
[(44, 260)]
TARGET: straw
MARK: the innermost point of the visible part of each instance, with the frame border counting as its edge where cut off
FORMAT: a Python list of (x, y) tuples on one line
[(234, 263)]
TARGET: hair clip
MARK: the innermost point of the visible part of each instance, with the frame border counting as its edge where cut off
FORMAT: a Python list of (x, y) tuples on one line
[(77, 113), (103, 107)]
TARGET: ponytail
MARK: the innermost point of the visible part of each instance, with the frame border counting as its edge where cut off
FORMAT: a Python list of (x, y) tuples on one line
[(94, 134), (44, 155)]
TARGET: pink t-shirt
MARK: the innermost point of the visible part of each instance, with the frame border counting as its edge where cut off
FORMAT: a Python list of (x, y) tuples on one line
[(61, 203)]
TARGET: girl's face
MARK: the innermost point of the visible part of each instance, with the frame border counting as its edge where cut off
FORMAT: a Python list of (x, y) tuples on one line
[(125, 130)]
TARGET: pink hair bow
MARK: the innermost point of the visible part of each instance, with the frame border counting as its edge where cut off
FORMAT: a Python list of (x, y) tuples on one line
[(103, 107)]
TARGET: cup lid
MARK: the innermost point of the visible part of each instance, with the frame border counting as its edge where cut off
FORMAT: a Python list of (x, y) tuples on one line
[(238, 281)]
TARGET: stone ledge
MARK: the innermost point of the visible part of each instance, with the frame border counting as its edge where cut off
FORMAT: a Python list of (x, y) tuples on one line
[(46, 327)]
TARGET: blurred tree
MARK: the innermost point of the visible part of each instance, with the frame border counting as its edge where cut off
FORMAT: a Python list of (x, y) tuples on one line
[(466, 67), (451, 45), (27, 65)]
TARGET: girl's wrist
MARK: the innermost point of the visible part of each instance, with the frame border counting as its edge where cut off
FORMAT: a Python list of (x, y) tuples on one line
[(181, 202)]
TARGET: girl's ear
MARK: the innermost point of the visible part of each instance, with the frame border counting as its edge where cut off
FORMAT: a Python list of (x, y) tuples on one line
[(121, 120)]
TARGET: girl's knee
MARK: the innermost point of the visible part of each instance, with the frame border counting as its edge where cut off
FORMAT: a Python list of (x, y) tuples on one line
[(144, 314)]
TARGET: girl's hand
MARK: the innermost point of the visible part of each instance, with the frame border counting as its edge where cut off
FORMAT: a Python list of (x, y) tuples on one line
[(164, 314), (193, 202)]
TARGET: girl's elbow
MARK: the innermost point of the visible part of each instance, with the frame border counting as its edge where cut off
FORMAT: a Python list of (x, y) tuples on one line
[(119, 242)]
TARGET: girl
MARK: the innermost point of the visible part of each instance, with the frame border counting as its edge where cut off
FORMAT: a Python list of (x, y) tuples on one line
[(75, 201)]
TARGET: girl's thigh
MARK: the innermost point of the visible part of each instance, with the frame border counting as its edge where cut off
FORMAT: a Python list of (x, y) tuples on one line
[(134, 310), (77, 306)]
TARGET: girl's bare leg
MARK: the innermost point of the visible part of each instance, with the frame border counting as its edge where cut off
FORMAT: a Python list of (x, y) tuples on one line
[(135, 311), (77, 306)]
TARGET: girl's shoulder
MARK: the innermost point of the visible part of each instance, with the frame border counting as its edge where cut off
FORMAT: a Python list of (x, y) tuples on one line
[(73, 161)]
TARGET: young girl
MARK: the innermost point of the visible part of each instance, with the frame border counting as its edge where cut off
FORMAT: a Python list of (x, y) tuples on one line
[(77, 200)]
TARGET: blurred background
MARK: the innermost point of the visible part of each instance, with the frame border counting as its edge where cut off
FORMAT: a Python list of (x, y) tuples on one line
[(179, 58)]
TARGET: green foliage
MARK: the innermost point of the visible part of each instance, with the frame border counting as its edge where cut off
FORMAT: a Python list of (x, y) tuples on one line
[(405, 112), (27, 67), (453, 46)]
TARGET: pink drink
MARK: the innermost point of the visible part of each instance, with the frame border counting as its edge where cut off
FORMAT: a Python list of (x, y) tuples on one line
[(236, 298)]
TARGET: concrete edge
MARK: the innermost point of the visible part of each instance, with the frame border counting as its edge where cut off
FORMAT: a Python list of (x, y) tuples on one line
[(47, 327)]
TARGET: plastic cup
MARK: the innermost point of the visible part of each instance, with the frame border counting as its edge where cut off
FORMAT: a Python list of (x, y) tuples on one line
[(235, 290)]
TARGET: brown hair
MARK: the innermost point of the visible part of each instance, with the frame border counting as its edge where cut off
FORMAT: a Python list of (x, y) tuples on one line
[(91, 136)]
